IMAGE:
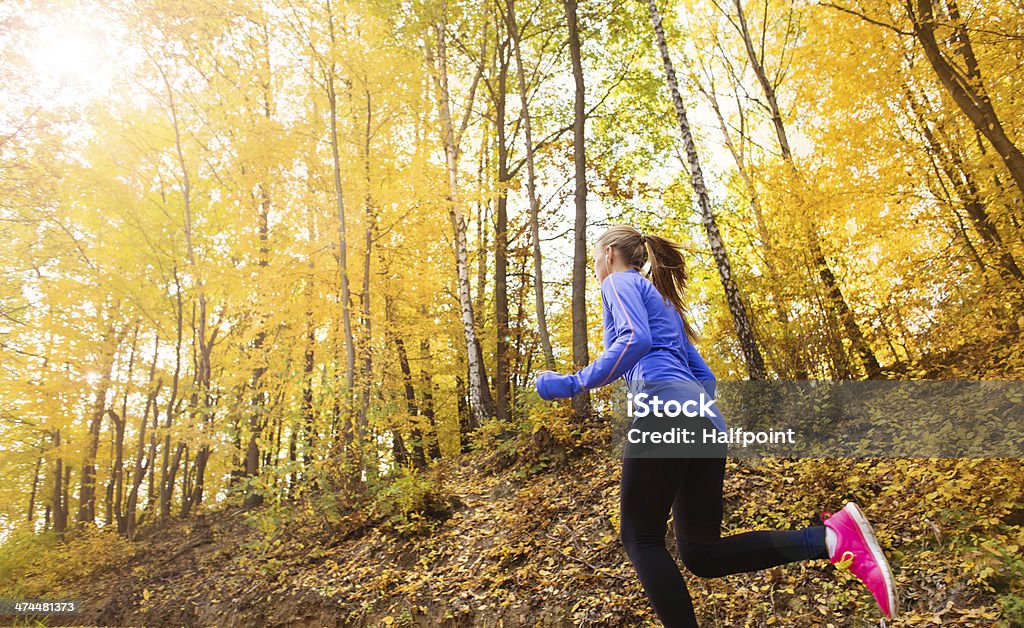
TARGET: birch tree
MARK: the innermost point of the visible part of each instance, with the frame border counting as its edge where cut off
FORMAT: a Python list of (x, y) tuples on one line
[(744, 329)]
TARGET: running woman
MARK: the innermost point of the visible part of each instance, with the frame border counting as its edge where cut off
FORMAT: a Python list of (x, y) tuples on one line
[(647, 337)]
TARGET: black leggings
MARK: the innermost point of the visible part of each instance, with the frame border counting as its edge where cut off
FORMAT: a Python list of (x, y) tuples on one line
[(692, 488)]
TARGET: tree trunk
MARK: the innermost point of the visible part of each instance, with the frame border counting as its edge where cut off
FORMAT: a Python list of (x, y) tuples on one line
[(117, 474), (367, 340), (141, 464), (464, 415), (186, 484), (257, 404), (87, 492), (968, 91), (67, 489), (398, 449), (792, 366), (580, 263), (166, 476), (200, 399), (258, 401), (744, 330), (481, 403), (967, 193), (427, 407), (115, 481), (418, 456), (531, 189), (347, 426), (501, 242), (309, 355), (483, 218), (59, 497), (834, 292), (35, 485)]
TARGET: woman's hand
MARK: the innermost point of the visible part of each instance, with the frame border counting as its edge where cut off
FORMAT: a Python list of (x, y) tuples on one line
[(551, 385), (538, 383)]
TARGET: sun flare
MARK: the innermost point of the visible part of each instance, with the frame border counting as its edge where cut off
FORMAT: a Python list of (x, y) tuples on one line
[(69, 54)]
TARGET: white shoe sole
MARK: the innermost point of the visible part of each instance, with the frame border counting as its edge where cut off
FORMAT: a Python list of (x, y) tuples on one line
[(876, 552)]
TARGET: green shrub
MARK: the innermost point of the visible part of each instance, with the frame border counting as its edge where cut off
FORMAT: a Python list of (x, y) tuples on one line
[(38, 565), (411, 504)]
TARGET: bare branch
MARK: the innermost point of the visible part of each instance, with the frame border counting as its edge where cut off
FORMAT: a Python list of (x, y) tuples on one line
[(870, 20)]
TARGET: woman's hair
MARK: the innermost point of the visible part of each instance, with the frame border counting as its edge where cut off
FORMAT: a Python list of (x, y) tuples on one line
[(667, 267)]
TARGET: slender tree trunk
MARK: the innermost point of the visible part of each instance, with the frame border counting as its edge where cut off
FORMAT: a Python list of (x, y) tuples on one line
[(200, 397), (257, 404), (834, 292), (67, 488), (523, 349), (262, 201), (166, 477), (427, 407), (531, 189), (371, 220), (308, 373), (344, 407), (35, 485), (172, 474), (309, 354), (87, 492), (117, 473), (398, 449), (115, 483), (418, 455), (968, 91), (580, 264), (481, 403), (59, 498), (501, 243), (464, 415), (792, 364), (744, 330), (186, 485), (483, 218), (967, 193), (152, 494), (141, 462)]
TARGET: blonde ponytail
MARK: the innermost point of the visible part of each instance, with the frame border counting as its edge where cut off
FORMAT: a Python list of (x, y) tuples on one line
[(667, 269)]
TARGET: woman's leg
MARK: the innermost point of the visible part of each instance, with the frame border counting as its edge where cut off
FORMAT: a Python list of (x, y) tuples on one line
[(648, 488), (697, 514)]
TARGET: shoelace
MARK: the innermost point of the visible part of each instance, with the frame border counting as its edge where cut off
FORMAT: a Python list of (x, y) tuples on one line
[(847, 558)]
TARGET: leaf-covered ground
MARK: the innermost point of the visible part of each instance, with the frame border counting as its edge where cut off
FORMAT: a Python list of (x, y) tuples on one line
[(526, 533)]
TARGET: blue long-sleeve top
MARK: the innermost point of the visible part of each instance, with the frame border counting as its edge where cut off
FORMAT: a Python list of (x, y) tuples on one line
[(644, 338)]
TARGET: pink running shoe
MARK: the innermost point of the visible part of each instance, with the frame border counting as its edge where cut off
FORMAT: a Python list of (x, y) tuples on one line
[(857, 551)]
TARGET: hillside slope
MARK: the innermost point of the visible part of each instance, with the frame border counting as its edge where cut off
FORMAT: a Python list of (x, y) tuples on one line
[(526, 534)]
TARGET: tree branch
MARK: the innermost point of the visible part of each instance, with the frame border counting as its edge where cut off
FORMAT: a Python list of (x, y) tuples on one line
[(870, 20)]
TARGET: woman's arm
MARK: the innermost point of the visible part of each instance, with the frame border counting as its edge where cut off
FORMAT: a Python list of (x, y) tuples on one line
[(632, 335)]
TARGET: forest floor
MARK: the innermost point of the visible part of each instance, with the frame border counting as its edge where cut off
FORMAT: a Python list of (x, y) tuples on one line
[(526, 533)]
